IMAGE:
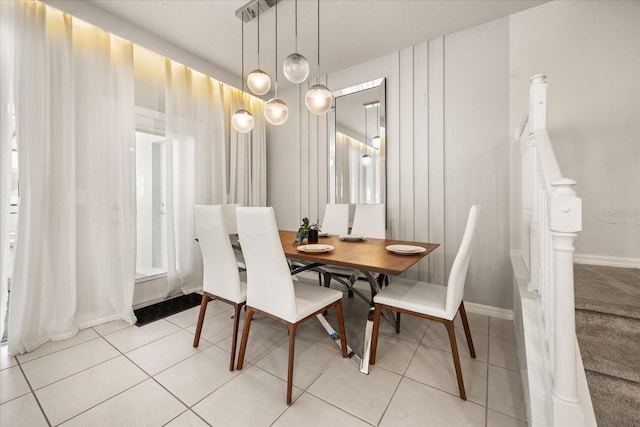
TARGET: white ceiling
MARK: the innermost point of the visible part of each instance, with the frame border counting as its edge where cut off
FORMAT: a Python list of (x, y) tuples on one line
[(352, 31)]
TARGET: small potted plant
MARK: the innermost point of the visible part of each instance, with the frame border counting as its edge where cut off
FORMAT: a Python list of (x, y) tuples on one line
[(307, 233)]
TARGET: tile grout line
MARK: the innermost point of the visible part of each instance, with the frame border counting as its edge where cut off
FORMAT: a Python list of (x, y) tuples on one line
[(33, 393)]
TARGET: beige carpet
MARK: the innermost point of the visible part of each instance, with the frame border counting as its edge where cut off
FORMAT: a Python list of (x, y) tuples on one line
[(608, 329)]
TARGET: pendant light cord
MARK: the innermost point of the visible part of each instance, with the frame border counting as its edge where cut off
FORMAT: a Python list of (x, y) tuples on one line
[(296, 20), (318, 41), (276, 49), (242, 63), (258, 3)]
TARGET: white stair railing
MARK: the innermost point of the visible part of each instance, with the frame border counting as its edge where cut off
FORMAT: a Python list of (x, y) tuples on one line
[(550, 218)]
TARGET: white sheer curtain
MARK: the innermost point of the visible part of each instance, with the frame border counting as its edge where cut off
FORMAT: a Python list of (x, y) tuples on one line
[(7, 25), (75, 243), (196, 165), (248, 154)]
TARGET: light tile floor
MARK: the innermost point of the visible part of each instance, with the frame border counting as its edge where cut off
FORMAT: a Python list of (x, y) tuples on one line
[(121, 375)]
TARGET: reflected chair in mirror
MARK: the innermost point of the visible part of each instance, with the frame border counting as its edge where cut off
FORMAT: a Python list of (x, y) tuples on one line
[(433, 302), (232, 228), (336, 219), (369, 221), (270, 286), (221, 278)]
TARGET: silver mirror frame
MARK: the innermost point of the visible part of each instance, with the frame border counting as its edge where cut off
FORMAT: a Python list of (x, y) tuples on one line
[(381, 85)]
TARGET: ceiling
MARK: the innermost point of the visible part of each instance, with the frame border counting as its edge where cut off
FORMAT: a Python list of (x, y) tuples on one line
[(351, 31)]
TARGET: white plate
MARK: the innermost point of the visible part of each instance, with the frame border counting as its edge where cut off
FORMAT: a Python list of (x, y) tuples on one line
[(406, 249), (351, 237), (323, 234), (315, 248)]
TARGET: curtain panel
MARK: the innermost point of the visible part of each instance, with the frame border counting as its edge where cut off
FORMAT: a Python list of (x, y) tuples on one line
[(75, 242)]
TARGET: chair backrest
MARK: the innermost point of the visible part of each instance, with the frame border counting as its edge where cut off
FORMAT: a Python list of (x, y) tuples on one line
[(369, 220), (221, 275), (230, 217), (458, 274), (269, 282), (336, 219)]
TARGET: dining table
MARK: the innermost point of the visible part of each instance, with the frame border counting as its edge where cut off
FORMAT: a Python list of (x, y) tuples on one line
[(375, 259)]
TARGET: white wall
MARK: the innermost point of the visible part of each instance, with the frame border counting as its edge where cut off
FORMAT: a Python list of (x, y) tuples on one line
[(447, 148), (590, 52)]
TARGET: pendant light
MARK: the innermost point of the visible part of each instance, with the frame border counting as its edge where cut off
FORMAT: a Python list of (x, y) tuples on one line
[(296, 66), (318, 98), (258, 81), (276, 111), (375, 141), (366, 158), (242, 120)]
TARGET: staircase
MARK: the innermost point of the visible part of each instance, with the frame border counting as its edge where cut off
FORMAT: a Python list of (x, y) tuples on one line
[(607, 302)]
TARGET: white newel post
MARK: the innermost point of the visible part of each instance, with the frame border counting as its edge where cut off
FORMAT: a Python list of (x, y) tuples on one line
[(565, 214)]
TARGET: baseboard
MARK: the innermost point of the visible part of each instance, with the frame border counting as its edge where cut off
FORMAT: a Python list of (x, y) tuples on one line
[(500, 313), (606, 261)]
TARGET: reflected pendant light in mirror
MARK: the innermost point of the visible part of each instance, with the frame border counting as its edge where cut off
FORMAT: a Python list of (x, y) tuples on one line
[(258, 81), (242, 120), (366, 158), (318, 98), (296, 67), (276, 111), (375, 141)]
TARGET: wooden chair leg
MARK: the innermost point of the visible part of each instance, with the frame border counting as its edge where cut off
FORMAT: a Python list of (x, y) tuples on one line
[(398, 323), (292, 348), (341, 329), (467, 331), (203, 308), (456, 357), (234, 339), (374, 338), (245, 336)]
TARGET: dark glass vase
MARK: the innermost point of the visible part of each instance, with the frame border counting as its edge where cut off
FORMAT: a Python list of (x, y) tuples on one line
[(313, 236)]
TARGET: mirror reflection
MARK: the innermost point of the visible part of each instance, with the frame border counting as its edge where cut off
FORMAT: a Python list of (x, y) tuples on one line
[(357, 144)]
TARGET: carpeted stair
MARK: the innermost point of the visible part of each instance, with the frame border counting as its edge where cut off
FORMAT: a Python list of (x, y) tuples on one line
[(608, 330)]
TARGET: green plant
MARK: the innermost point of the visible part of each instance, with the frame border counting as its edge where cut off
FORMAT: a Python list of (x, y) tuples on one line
[(303, 231)]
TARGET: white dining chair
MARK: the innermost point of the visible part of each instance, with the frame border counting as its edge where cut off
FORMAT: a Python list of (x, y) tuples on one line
[(433, 302), (336, 219), (369, 221), (221, 278), (270, 287), (229, 210)]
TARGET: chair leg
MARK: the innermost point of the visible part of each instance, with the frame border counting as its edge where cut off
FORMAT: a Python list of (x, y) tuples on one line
[(234, 339), (467, 331), (398, 323), (374, 338), (292, 348), (341, 329), (456, 357), (203, 308), (245, 336)]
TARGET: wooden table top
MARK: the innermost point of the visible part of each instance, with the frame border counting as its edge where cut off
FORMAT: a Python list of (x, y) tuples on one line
[(369, 254)]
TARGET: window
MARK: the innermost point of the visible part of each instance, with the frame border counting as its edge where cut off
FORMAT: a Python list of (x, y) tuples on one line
[(151, 220)]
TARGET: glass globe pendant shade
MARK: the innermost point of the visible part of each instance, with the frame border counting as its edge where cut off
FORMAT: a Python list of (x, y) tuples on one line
[(318, 99), (276, 111), (242, 121), (259, 82), (296, 68), (375, 142), (366, 160)]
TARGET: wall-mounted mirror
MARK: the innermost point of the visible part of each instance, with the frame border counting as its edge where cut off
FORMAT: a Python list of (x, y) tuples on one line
[(357, 160)]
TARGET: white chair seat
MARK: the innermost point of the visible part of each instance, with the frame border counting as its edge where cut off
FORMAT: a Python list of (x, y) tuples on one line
[(311, 298), (412, 295)]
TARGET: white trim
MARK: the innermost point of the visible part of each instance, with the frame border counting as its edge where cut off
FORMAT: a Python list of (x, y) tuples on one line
[(500, 313), (606, 260)]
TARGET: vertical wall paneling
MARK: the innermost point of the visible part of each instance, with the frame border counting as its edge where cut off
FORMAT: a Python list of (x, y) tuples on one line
[(312, 164), (392, 147), (322, 157), (421, 152), (303, 140), (406, 144), (435, 133)]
